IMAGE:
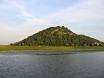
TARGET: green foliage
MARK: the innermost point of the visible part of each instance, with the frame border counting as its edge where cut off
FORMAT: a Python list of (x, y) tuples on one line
[(58, 36)]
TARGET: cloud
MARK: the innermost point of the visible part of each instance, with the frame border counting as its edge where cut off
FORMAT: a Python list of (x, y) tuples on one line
[(10, 34), (92, 1), (20, 11), (85, 11), (85, 17)]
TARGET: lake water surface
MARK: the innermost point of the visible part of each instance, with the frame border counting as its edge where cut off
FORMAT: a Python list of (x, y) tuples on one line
[(30, 65)]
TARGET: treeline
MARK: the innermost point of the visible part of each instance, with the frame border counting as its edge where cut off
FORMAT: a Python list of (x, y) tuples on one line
[(58, 36)]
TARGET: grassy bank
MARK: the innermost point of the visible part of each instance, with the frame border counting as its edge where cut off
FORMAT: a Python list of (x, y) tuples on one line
[(7, 48)]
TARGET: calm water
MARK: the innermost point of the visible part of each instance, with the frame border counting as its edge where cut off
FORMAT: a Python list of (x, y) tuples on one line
[(25, 65)]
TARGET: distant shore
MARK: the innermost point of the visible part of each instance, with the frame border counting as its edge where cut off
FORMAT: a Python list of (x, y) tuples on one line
[(49, 48)]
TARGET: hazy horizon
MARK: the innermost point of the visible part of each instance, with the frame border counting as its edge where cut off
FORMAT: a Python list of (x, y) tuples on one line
[(22, 18)]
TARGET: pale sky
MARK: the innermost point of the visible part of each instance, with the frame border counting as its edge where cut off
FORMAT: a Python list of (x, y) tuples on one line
[(22, 18)]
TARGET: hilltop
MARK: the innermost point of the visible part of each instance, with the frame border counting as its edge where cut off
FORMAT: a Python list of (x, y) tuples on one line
[(58, 36)]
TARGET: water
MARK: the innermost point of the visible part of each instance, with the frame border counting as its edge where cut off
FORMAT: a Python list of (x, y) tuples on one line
[(30, 65)]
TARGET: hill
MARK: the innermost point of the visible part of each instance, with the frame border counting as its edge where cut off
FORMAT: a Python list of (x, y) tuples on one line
[(58, 36)]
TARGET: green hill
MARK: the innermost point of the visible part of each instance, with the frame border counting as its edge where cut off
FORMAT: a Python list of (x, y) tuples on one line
[(58, 36)]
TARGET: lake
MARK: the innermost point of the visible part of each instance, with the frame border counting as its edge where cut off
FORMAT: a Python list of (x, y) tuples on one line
[(30, 64)]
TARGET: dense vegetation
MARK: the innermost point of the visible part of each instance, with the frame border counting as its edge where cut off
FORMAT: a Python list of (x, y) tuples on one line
[(58, 36)]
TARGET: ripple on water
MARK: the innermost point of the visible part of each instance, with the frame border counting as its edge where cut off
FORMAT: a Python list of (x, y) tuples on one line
[(28, 64)]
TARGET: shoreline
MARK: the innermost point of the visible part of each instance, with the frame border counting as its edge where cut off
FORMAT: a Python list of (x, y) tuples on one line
[(44, 52)]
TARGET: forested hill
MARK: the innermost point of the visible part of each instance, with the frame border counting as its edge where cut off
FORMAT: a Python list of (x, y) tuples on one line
[(58, 36)]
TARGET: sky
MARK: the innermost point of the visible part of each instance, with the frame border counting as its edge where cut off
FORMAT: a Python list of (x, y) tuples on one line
[(22, 18)]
